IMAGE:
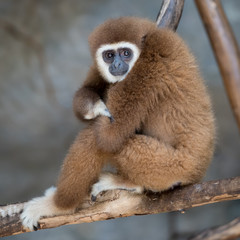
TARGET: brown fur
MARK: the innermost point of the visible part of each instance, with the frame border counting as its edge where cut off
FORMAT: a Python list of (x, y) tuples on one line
[(163, 98), (90, 92)]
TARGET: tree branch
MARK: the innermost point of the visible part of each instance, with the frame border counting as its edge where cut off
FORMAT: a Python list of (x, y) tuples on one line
[(120, 203), (225, 49), (225, 232), (170, 14)]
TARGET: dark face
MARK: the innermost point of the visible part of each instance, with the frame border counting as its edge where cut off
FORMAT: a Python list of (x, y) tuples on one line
[(118, 60)]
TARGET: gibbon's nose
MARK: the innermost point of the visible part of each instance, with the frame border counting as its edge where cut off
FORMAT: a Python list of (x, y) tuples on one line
[(118, 67), (117, 64)]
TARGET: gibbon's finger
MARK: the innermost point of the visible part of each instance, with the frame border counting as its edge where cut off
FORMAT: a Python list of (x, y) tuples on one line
[(101, 109), (108, 114), (111, 119)]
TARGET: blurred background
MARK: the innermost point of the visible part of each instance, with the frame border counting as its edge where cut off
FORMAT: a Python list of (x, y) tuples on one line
[(44, 58)]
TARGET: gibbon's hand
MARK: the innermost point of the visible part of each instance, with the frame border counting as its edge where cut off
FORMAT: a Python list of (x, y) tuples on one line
[(109, 136), (99, 108)]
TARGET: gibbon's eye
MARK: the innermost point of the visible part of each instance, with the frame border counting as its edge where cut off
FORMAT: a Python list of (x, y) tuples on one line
[(108, 56), (126, 53)]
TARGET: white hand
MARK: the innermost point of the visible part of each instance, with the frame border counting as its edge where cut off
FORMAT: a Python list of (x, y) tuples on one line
[(99, 108)]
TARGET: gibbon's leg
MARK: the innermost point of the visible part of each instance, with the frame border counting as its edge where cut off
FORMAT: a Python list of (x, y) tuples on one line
[(81, 168), (157, 166), (146, 163)]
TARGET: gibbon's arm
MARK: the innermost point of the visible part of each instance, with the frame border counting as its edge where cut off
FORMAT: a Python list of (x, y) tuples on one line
[(87, 101), (132, 99), (129, 103)]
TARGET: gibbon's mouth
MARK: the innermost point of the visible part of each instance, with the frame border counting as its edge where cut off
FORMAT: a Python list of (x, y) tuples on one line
[(118, 73)]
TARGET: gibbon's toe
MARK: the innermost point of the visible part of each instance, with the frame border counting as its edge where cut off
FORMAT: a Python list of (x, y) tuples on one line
[(97, 188), (35, 228), (93, 198), (30, 218), (37, 208), (105, 183), (108, 181), (176, 185)]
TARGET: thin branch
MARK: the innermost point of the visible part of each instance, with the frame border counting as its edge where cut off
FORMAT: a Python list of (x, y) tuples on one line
[(119, 203), (225, 232), (170, 14), (225, 49)]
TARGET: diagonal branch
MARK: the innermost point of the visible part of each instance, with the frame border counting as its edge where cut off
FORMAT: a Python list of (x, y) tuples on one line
[(225, 232), (120, 203)]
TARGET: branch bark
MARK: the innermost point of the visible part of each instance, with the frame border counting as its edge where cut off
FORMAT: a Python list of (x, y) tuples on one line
[(170, 14), (225, 49), (119, 203), (225, 232)]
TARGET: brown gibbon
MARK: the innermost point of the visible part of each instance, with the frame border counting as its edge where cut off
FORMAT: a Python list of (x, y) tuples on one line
[(148, 114)]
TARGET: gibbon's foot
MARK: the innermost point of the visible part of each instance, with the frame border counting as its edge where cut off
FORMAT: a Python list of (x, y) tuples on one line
[(39, 207), (109, 181), (36, 208)]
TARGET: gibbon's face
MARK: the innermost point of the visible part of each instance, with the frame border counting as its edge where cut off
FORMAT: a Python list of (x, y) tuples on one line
[(116, 60)]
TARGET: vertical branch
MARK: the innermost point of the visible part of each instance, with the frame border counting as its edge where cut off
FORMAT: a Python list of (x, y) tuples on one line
[(170, 14), (225, 49)]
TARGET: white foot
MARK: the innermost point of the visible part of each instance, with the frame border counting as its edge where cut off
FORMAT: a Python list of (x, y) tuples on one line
[(39, 207), (110, 182)]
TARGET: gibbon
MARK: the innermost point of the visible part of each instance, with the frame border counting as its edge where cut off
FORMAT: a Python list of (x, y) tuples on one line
[(148, 114)]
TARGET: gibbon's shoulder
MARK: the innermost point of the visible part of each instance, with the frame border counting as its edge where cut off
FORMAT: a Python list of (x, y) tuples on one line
[(166, 44)]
